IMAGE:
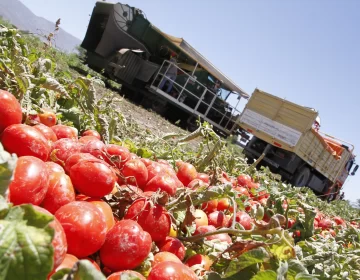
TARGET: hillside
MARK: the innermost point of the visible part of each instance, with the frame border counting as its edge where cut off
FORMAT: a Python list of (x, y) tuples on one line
[(19, 15)]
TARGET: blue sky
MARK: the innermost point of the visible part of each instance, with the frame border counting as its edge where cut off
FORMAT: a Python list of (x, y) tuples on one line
[(305, 51)]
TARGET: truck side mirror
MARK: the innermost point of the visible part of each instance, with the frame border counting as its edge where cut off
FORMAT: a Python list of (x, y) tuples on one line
[(355, 169)]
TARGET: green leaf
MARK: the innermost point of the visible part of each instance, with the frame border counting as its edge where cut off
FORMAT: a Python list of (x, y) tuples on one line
[(282, 270), (59, 275), (7, 166), (265, 275), (143, 152), (26, 252), (4, 207), (83, 269)]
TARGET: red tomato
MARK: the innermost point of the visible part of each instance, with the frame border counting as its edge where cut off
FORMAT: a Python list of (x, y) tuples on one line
[(153, 219), (31, 181), (86, 139), (224, 204), (76, 158), (204, 229), (244, 180), (116, 154), (64, 148), (172, 245), (94, 179), (32, 119), (48, 133), (47, 117), (94, 147), (60, 192), (210, 206), (163, 182), (203, 177), (68, 262), (243, 219), (53, 167), (135, 173), (242, 191), (126, 274), (339, 221), (291, 222), (197, 259), (197, 183), (25, 140), (105, 209), (126, 246), (218, 219), (173, 271), (200, 218), (59, 241), (325, 223), (91, 133), (165, 256), (10, 110), (64, 131), (186, 173), (84, 226)]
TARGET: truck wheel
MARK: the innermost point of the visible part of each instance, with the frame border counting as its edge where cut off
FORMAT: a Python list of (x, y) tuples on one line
[(302, 177)]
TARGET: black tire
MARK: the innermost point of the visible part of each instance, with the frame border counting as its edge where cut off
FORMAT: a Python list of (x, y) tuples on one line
[(301, 178)]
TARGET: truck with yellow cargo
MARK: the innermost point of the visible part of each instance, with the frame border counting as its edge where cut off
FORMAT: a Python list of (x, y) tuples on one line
[(287, 140)]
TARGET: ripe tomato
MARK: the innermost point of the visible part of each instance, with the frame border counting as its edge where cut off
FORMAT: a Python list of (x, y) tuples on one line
[(76, 158), (203, 177), (53, 167), (243, 219), (146, 161), (47, 117), (197, 183), (84, 226), (242, 191), (91, 133), (25, 140), (204, 229), (31, 181), (105, 209), (59, 241), (171, 270), (224, 204), (204, 261), (210, 206), (48, 133), (116, 154), (172, 245), (186, 173), (200, 218), (85, 139), (64, 148), (60, 192), (135, 173), (325, 223), (291, 222), (126, 246), (244, 180), (163, 182), (94, 179), (94, 147), (339, 221), (153, 219), (126, 274), (64, 131), (163, 257), (10, 110), (218, 219)]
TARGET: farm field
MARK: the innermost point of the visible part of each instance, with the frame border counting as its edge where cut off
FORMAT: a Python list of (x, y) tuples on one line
[(95, 187)]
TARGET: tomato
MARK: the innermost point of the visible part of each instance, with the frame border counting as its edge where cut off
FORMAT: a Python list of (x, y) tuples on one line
[(135, 173), (204, 229), (218, 219), (94, 179), (172, 245), (47, 117), (68, 262), (126, 246), (243, 219), (339, 221), (146, 161), (31, 181), (10, 110), (64, 148), (244, 180), (242, 191), (32, 119), (197, 183), (93, 133), (48, 133), (105, 209), (163, 257), (224, 204), (25, 140), (186, 173), (53, 167), (155, 169), (291, 222), (64, 131), (325, 223), (199, 259), (210, 206), (203, 177), (164, 182), (153, 219), (60, 192), (116, 154), (94, 147), (126, 274), (76, 158), (59, 241), (86, 139), (84, 226), (200, 218), (171, 270)]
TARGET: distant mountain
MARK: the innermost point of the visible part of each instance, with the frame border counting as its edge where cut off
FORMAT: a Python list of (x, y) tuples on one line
[(19, 15)]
